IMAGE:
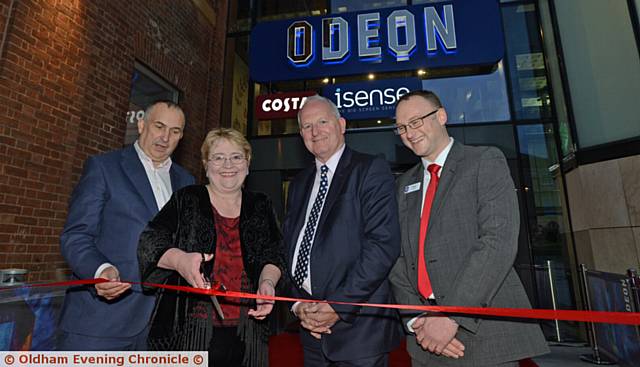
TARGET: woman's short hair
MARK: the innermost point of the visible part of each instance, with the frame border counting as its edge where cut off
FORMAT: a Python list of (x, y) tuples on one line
[(231, 135)]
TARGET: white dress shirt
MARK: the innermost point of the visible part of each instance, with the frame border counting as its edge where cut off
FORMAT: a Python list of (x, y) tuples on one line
[(332, 164), (440, 159), (159, 176)]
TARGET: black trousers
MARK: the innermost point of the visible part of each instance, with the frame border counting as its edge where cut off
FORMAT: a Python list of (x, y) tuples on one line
[(226, 349), (313, 357)]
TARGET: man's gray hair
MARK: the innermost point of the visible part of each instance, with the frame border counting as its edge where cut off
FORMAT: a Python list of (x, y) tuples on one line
[(316, 97), (168, 103)]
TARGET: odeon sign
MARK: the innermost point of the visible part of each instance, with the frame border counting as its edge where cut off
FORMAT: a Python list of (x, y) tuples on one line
[(447, 34), (401, 36)]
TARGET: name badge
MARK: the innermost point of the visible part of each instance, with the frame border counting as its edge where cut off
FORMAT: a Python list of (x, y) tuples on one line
[(412, 188)]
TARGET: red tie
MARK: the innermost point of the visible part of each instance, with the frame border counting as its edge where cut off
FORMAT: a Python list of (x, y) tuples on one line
[(424, 285)]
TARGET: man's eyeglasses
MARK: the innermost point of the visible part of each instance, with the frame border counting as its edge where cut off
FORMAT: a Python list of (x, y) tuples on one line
[(414, 124), (219, 159)]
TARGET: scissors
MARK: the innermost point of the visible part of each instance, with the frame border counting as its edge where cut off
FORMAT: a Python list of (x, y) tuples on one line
[(215, 285)]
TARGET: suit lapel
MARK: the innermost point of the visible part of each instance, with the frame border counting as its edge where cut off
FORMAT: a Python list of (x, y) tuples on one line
[(337, 182), (134, 170), (176, 182), (300, 196), (340, 177), (412, 203), (446, 179)]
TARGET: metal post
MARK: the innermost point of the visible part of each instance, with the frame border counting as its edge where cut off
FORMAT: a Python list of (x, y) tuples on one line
[(635, 290), (12, 277), (553, 299), (595, 356)]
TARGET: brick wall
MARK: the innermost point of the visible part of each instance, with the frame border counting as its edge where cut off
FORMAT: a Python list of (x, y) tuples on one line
[(65, 79)]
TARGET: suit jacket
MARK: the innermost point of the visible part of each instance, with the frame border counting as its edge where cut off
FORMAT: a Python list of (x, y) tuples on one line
[(109, 208), (355, 245), (470, 249)]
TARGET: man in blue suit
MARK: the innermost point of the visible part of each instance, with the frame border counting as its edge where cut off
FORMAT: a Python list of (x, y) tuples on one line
[(118, 193), (343, 237)]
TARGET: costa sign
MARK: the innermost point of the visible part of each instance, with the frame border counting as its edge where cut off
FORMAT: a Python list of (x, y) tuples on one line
[(455, 33), (281, 105)]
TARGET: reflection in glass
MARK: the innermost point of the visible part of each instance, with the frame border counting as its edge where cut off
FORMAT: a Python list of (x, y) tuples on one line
[(549, 231), (525, 62), (476, 98), (284, 9), (415, 2), (239, 16), (277, 127), (342, 6), (235, 106), (600, 49), (146, 88)]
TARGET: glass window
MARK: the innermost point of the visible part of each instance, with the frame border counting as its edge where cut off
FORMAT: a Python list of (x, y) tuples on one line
[(239, 16), (416, 2), (284, 9), (476, 98), (549, 231), (240, 98), (342, 6), (555, 78), (146, 88), (525, 62), (602, 67), (235, 106), (277, 127), (497, 135)]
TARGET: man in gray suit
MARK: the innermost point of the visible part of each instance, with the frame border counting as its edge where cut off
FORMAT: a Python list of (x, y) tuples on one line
[(459, 220)]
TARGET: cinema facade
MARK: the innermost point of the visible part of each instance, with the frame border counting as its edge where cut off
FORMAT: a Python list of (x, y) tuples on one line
[(536, 79)]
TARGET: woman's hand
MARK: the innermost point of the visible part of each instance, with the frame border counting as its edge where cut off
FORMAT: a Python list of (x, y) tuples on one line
[(188, 264), (263, 306)]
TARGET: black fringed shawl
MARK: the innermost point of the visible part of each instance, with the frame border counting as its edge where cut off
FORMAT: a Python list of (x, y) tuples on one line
[(186, 222)]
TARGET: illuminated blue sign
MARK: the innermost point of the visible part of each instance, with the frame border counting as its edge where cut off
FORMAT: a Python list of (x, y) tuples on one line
[(369, 100), (454, 33)]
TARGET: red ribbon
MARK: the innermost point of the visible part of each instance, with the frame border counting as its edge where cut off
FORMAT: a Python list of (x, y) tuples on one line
[(628, 318)]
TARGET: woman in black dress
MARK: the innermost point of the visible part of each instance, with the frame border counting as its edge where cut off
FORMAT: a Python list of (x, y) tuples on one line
[(222, 232)]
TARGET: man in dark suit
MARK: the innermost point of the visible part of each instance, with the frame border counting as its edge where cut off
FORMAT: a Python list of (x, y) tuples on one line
[(459, 220), (342, 234), (118, 193)]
